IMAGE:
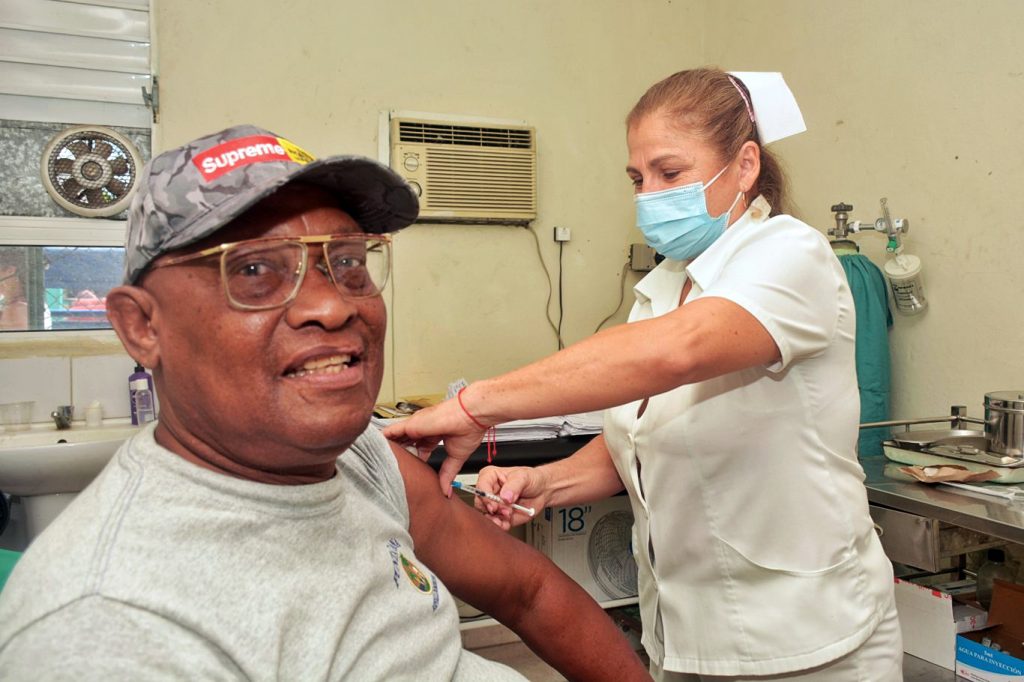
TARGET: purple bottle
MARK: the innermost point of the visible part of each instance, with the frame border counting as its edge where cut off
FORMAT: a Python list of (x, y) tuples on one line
[(139, 373)]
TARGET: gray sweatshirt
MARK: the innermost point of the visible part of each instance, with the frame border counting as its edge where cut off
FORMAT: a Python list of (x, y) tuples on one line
[(164, 570)]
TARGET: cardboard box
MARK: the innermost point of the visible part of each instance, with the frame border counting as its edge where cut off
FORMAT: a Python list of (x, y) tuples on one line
[(592, 543), (930, 620), (977, 659)]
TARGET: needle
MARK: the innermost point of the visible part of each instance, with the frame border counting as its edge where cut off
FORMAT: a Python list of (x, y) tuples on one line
[(492, 497)]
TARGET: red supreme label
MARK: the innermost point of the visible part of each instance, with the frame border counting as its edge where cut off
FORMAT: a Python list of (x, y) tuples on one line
[(228, 156)]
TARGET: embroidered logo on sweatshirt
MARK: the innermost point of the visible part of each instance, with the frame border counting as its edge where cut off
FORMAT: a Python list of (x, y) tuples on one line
[(423, 581), (415, 575)]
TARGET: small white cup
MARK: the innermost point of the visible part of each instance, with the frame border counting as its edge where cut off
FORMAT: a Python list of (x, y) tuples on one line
[(94, 415), (16, 416)]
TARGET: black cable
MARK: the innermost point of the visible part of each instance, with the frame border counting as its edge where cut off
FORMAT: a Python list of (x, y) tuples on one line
[(547, 277), (561, 307)]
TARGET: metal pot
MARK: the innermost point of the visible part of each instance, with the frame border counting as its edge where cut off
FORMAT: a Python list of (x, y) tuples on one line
[(1004, 422)]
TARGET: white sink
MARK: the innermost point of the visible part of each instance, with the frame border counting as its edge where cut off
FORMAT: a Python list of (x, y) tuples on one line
[(43, 461), (46, 468)]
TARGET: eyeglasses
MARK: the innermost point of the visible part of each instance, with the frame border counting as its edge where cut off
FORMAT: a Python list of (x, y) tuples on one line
[(260, 274)]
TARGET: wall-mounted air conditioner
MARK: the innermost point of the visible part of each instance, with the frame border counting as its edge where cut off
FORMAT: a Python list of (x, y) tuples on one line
[(467, 173)]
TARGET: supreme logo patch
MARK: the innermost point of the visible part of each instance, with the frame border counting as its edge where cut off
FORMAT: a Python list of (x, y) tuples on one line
[(228, 156)]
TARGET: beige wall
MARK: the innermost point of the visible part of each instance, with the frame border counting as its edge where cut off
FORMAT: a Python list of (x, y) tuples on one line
[(467, 301), (917, 101)]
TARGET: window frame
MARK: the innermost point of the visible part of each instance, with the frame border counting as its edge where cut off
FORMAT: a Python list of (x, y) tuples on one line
[(71, 232)]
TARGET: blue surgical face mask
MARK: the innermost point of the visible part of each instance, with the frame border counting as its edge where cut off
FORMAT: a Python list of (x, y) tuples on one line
[(675, 222)]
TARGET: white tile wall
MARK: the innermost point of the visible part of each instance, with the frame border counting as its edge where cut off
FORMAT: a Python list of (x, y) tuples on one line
[(77, 381), (47, 381), (103, 378), (68, 381)]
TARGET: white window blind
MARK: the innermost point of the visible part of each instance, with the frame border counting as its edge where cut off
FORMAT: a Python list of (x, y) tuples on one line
[(73, 61)]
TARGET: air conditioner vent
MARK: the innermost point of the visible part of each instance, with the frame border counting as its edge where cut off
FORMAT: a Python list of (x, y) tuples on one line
[(467, 173), (479, 136)]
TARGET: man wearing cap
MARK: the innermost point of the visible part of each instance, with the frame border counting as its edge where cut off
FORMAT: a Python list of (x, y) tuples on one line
[(229, 540)]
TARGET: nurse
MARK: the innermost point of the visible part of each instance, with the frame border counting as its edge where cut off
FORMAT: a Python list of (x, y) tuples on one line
[(732, 410)]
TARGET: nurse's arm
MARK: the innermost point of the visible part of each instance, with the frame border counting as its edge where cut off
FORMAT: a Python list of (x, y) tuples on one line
[(588, 475), (514, 583), (706, 338)]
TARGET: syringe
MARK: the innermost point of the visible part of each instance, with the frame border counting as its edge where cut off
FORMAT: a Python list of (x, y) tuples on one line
[(492, 497)]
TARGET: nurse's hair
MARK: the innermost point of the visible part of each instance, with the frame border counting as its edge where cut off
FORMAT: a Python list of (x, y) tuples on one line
[(716, 106)]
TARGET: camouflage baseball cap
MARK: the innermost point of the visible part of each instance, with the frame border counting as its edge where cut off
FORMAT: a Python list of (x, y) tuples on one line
[(188, 193)]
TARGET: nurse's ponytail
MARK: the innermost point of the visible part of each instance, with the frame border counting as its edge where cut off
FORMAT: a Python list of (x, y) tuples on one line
[(716, 106)]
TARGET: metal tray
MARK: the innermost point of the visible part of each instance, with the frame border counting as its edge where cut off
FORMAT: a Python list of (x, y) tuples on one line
[(962, 450), (930, 437), (1008, 473)]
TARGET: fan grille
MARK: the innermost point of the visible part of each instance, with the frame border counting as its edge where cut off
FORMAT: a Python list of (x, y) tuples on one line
[(610, 556), (90, 171)]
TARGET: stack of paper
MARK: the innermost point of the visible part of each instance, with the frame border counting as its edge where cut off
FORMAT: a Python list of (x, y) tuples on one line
[(583, 423), (535, 429), (530, 429)]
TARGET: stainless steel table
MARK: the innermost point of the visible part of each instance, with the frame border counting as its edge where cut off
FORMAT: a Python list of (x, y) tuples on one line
[(889, 487)]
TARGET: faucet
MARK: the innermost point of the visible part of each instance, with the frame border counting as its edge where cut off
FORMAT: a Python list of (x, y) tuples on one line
[(62, 416)]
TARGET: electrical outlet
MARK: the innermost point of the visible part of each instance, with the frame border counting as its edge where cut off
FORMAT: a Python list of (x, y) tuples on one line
[(562, 234), (641, 258)]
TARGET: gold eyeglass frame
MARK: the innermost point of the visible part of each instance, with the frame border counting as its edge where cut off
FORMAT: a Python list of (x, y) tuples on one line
[(305, 242)]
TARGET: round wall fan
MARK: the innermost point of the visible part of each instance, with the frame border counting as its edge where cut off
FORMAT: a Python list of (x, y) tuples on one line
[(610, 556), (90, 170)]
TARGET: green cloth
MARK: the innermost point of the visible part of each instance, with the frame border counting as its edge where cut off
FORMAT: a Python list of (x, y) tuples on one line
[(7, 561), (870, 298)]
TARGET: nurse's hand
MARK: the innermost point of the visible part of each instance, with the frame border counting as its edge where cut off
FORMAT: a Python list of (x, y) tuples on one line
[(527, 486), (429, 426)]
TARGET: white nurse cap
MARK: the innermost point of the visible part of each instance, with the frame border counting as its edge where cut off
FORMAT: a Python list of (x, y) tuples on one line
[(775, 109)]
